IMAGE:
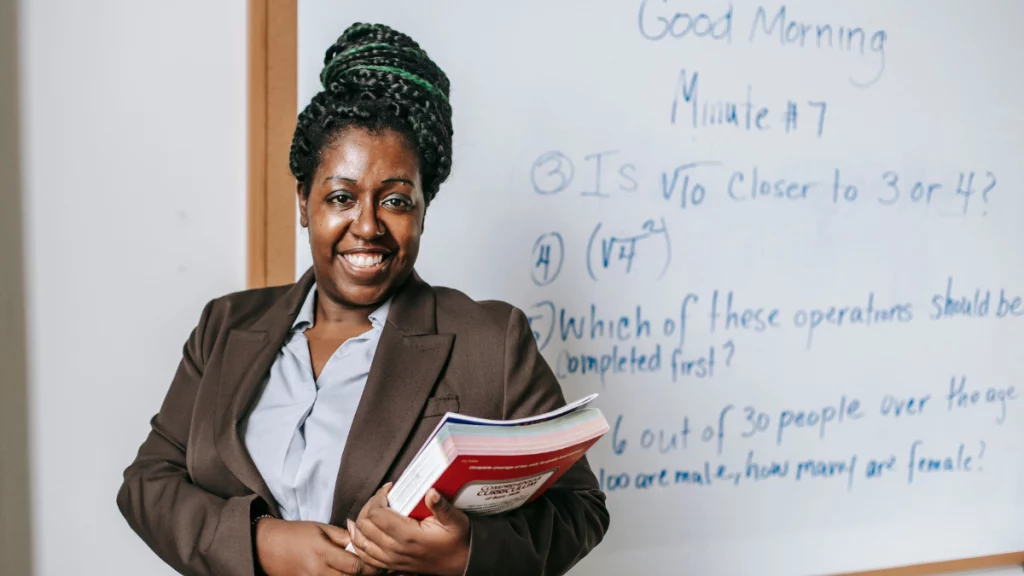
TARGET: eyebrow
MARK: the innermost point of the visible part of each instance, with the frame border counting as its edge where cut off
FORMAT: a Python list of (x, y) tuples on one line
[(342, 178), (386, 181)]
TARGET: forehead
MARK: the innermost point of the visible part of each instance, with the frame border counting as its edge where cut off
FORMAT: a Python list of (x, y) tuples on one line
[(361, 151)]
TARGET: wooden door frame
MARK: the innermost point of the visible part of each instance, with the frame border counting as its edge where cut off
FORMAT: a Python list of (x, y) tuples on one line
[(273, 107)]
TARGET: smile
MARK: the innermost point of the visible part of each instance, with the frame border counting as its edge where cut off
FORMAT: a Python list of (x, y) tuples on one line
[(365, 260)]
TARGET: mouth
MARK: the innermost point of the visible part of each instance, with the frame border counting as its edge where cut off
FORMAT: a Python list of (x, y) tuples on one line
[(366, 262)]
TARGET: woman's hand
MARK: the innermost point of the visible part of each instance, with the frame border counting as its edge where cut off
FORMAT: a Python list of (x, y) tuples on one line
[(436, 545), (307, 549)]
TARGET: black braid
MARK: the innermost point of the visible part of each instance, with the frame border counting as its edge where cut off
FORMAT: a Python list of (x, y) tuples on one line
[(379, 79)]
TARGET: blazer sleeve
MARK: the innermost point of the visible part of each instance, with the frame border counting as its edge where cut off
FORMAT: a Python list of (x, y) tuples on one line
[(550, 535), (192, 530)]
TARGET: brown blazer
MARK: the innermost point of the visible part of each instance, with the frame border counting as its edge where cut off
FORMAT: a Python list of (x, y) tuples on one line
[(193, 490)]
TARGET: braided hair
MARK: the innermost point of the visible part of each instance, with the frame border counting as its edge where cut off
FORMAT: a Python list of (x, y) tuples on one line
[(378, 79)]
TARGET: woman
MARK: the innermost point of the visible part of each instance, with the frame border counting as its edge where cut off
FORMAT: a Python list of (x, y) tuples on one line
[(294, 407)]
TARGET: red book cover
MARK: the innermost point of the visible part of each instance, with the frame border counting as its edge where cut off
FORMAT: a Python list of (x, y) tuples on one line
[(491, 484)]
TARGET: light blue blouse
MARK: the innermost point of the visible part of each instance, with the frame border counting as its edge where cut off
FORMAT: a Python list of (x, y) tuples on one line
[(297, 431)]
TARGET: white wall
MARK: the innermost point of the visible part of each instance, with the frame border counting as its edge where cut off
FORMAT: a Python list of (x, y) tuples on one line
[(134, 150)]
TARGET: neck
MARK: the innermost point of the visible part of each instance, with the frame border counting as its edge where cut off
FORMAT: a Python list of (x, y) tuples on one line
[(331, 312)]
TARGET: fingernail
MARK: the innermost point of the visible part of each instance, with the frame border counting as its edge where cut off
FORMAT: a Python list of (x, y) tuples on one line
[(351, 526)]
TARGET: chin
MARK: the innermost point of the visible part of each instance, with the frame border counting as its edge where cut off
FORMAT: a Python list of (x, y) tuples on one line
[(357, 291), (364, 295)]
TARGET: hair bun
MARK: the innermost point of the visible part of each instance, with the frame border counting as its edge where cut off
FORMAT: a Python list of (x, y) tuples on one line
[(380, 48)]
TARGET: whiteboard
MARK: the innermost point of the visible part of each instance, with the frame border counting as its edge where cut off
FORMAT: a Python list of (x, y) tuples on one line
[(780, 240)]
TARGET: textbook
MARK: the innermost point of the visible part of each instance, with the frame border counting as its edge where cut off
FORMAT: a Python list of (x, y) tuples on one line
[(491, 466)]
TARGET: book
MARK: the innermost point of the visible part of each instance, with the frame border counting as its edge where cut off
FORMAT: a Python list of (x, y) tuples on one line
[(492, 466)]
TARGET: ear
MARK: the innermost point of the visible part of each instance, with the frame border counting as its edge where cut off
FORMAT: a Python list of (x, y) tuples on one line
[(303, 198)]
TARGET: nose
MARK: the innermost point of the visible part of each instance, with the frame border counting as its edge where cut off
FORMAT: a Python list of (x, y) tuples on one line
[(366, 224)]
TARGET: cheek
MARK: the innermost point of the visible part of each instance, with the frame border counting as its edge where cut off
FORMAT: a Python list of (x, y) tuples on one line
[(327, 228), (407, 235)]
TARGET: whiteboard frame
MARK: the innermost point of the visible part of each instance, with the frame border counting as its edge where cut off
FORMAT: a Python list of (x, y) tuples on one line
[(273, 105)]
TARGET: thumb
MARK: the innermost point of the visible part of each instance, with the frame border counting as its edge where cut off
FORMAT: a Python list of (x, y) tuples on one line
[(439, 506), (337, 535)]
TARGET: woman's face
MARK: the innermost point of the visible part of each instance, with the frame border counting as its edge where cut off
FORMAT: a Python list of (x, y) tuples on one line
[(364, 213)]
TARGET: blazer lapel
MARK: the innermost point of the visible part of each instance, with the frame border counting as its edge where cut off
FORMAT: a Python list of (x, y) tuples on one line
[(249, 354), (406, 365)]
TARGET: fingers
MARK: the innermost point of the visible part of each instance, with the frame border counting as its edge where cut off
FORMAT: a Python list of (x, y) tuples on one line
[(374, 546), (378, 500), (392, 526), (339, 536), (335, 564), (439, 506), (381, 537), (401, 529), (370, 537), (364, 569), (348, 564)]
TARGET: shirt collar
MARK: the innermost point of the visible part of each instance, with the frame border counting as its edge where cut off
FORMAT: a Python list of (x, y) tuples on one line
[(379, 316), (307, 313)]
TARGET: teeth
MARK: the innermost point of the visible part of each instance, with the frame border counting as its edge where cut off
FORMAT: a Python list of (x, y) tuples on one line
[(364, 260)]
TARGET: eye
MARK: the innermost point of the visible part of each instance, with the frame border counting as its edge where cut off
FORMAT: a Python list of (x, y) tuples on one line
[(397, 201), (340, 197)]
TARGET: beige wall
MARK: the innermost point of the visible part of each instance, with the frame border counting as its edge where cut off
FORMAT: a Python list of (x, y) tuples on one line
[(15, 529)]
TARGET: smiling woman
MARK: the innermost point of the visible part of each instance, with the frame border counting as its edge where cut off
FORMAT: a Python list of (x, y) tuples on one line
[(294, 407), (364, 207)]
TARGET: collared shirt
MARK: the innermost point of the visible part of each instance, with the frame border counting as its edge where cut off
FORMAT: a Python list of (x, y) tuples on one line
[(297, 431)]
